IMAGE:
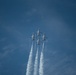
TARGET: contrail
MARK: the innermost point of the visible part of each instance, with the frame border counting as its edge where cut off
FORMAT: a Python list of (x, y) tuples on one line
[(41, 62), (36, 64), (30, 63)]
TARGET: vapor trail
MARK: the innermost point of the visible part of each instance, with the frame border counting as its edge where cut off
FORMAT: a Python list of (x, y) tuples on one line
[(36, 64), (30, 63), (41, 62)]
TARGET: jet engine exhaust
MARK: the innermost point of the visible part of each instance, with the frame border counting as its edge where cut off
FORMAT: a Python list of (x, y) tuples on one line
[(30, 63), (41, 72), (36, 64)]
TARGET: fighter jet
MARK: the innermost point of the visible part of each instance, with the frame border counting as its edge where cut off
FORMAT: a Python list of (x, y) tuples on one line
[(33, 37), (38, 33), (43, 37), (38, 42)]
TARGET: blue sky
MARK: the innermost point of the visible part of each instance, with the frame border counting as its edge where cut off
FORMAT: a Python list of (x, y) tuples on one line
[(20, 18)]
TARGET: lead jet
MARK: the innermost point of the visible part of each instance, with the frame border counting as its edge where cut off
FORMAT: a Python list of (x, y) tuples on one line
[(33, 37), (38, 33), (43, 37), (38, 42)]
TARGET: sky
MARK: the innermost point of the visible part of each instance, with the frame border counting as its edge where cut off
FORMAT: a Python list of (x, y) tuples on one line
[(19, 19)]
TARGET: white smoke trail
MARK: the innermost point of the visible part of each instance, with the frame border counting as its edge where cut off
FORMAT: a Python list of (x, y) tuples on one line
[(30, 63), (41, 62), (36, 64)]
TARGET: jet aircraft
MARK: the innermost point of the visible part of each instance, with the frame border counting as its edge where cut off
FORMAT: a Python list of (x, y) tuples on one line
[(38, 33), (43, 37), (38, 42), (33, 37)]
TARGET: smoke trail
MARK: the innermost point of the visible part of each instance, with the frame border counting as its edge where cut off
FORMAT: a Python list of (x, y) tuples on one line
[(36, 64), (30, 64), (41, 62)]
